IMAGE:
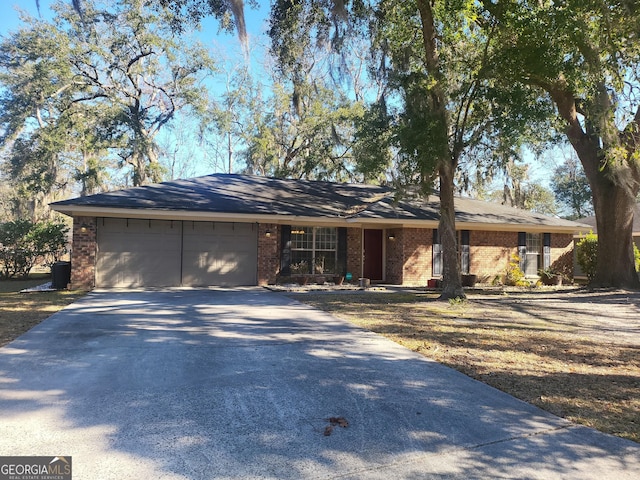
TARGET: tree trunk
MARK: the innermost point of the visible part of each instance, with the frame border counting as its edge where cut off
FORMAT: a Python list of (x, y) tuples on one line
[(451, 279), (614, 217), (138, 163), (447, 164), (614, 187)]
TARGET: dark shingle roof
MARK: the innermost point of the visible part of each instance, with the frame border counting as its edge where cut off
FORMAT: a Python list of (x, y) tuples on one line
[(254, 195), (591, 221), (241, 194)]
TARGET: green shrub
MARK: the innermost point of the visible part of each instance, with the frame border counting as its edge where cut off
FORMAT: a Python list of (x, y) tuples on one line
[(24, 244), (587, 254)]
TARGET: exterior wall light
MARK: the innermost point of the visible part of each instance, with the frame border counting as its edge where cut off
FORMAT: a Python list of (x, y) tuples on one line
[(391, 236), (267, 233), (84, 227)]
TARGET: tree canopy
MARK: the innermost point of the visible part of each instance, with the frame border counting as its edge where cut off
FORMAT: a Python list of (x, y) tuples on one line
[(571, 188), (465, 84), (441, 103), (80, 93)]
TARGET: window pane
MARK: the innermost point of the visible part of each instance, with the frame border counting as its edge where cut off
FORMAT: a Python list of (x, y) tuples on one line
[(325, 262), (302, 238), (534, 249), (301, 261), (464, 259), (437, 260), (326, 238), (534, 243), (532, 264), (314, 249)]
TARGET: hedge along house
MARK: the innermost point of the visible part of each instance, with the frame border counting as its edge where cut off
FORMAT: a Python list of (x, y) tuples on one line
[(230, 230)]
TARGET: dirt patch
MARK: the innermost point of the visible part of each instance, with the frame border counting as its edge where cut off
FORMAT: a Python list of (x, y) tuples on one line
[(571, 352)]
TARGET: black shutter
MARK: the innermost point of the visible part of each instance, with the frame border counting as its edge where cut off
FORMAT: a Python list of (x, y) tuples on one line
[(522, 250), (285, 250), (341, 268), (546, 251)]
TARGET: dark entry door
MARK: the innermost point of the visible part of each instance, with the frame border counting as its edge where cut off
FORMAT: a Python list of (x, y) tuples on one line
[(373, 254)]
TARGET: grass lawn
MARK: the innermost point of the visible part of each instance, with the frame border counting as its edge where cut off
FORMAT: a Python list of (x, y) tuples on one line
[(21, 311), (575, 354)]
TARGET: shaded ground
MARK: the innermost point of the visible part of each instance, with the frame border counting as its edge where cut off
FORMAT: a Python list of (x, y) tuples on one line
[(197, 384), (571, 352), (20, 312)]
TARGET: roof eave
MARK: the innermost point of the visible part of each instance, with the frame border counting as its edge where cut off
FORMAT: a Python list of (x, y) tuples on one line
[(162, 214), (190, 215)]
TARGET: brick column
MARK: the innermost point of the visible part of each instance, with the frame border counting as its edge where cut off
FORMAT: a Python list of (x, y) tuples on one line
[(268, 253), (416, 256), (354, 252), (83, 253), (395, 256)]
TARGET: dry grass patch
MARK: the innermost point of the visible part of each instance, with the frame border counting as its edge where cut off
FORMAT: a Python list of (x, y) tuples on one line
[(574, 354), (20, 312)]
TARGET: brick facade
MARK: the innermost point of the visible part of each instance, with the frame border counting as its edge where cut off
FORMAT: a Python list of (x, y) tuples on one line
[(417, 256), (83, 253), (269, 239), (354, 252), (408, 254), (489, 253), (394, 256), (562, 253)]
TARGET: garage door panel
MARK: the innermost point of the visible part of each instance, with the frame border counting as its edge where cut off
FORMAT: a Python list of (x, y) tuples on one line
[(219, 254), (143, 253), (137, 253)]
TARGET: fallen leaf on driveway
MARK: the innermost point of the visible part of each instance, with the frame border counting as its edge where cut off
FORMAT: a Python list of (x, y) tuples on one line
[(340, 421)]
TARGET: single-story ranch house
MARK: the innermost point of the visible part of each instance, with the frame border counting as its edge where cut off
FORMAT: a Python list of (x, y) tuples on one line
[(229, 230)]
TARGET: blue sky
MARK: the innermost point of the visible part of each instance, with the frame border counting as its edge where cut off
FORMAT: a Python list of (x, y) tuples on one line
[(256, 20), (9, 19)]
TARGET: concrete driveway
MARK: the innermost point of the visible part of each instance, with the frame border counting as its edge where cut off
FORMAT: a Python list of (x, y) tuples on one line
[(215, 384)]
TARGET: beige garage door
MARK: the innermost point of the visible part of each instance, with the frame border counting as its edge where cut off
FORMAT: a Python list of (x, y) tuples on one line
[(160, 253), (138, 253), (217, 253)]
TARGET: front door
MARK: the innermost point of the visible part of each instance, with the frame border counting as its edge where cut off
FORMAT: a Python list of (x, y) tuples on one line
[(373, 255)]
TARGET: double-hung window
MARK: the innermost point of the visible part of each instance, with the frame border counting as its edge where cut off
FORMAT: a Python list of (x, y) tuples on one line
[(465, 252), (314, 249), (534, 250), (436, 260)]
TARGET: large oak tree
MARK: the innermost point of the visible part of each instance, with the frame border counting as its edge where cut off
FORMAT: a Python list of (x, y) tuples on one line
[(442, 104), (584, 56)]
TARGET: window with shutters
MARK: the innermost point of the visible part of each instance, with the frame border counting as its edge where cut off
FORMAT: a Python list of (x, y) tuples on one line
[(534, 250), (314, 249), (532, 260)]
